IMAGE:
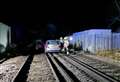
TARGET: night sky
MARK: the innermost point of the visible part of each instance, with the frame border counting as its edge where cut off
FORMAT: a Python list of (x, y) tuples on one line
[(64, 17)]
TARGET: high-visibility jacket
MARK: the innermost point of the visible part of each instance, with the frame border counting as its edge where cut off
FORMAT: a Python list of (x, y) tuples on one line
[(66, 43)]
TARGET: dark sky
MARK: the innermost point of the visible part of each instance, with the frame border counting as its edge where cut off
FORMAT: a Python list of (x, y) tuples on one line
[(66, 16)]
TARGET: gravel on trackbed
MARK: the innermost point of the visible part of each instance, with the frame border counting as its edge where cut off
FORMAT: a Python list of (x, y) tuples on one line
[(80, 74), (9, 68), (40, 70)]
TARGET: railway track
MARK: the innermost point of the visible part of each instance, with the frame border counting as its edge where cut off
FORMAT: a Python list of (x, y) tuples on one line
[(76, 69), (21, 74), (90, 73), (11, 69), (109, 70), (40, 70), (61, 73)]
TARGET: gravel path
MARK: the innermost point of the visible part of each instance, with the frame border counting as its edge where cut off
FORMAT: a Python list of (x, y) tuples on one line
[(9, 68), (40, 70)]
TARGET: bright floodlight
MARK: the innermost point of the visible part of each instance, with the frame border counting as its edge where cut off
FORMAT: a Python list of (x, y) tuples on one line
[(71, 38)]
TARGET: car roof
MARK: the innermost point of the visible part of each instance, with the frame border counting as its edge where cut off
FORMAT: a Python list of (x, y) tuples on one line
[(51, 40)]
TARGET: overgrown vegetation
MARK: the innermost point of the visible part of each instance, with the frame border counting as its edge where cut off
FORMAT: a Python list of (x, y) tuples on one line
[(113, 54)]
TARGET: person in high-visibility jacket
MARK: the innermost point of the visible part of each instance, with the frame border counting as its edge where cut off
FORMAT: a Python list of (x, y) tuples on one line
[(66, 45)]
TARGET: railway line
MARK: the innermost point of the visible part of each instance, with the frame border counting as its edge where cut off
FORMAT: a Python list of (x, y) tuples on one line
[(58, 67), (81, 71), (61, 73), (110, 70), (40, 70), (21, 74), (11, 68)]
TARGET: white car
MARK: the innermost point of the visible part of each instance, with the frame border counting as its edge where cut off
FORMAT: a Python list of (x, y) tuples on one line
[(52, 46)]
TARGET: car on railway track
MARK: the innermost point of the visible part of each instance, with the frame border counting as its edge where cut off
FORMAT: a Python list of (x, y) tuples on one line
[(52, 46)]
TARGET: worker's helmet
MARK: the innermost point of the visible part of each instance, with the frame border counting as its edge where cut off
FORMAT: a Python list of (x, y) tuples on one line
[(65, 38)]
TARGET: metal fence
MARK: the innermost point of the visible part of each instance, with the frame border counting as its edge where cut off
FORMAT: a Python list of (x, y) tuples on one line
[(93, 40), (99, 42)]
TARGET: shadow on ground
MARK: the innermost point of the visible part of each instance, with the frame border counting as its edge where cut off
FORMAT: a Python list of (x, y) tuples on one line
[(23, 74)]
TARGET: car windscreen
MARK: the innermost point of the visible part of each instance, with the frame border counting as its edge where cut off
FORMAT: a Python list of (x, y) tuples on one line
[(53, 42)]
